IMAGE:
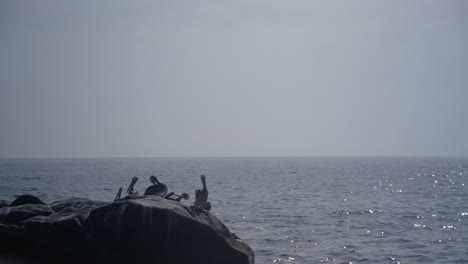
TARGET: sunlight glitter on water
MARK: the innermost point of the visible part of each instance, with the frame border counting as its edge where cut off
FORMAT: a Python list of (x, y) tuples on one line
[(347, 210)]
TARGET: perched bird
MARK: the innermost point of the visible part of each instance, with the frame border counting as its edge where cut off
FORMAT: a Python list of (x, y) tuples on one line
[(119, 193), (158, 188), (176, 197), (201, 196), (130, 189)]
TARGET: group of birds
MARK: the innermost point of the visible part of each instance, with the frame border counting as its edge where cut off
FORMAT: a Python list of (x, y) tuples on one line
[(160, 189)]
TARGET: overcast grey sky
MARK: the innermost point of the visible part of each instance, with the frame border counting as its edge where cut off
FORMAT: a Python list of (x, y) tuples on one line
[(233, 78)]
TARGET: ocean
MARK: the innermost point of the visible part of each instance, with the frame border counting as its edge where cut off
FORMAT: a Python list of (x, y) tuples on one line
[(290, 210)]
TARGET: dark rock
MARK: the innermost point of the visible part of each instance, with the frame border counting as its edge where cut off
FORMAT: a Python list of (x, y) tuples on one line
[(67, 218), (26, 199), (22, 212), (163, 231), (136, 229), (4, 203), (75, 205)]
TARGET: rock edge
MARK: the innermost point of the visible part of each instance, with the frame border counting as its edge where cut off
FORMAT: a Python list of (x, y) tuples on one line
[(136, 229)]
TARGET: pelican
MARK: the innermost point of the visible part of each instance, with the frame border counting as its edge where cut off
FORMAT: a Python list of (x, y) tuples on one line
[(118, 195), (201, 196), (158, 189), (176, 197), (130, 187)]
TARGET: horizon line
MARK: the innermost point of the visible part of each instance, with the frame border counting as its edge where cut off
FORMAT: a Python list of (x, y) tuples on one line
[(242, 157)]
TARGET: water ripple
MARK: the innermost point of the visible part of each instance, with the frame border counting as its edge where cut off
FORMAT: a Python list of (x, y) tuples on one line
[(301, 210)]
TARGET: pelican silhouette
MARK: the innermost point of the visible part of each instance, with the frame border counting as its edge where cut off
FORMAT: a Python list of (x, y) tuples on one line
[(158, 188), (176, 197), (201, 196), (119, 193), (130, 189)]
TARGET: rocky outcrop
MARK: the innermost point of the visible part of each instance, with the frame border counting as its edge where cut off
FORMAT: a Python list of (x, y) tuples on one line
[(136, 229), (26, 199), (4, 203), (18, 213)]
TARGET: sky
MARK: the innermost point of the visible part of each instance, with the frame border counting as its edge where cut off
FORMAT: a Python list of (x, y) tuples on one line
[(233, 78)]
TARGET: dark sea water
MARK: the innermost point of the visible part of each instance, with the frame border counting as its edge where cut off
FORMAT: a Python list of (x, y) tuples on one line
[(296, 210)]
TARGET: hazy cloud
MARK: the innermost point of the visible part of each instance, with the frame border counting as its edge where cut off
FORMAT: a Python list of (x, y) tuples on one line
[(233, 78)]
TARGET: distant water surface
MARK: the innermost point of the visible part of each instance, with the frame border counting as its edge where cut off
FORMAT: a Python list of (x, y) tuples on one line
[(296, 210)]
